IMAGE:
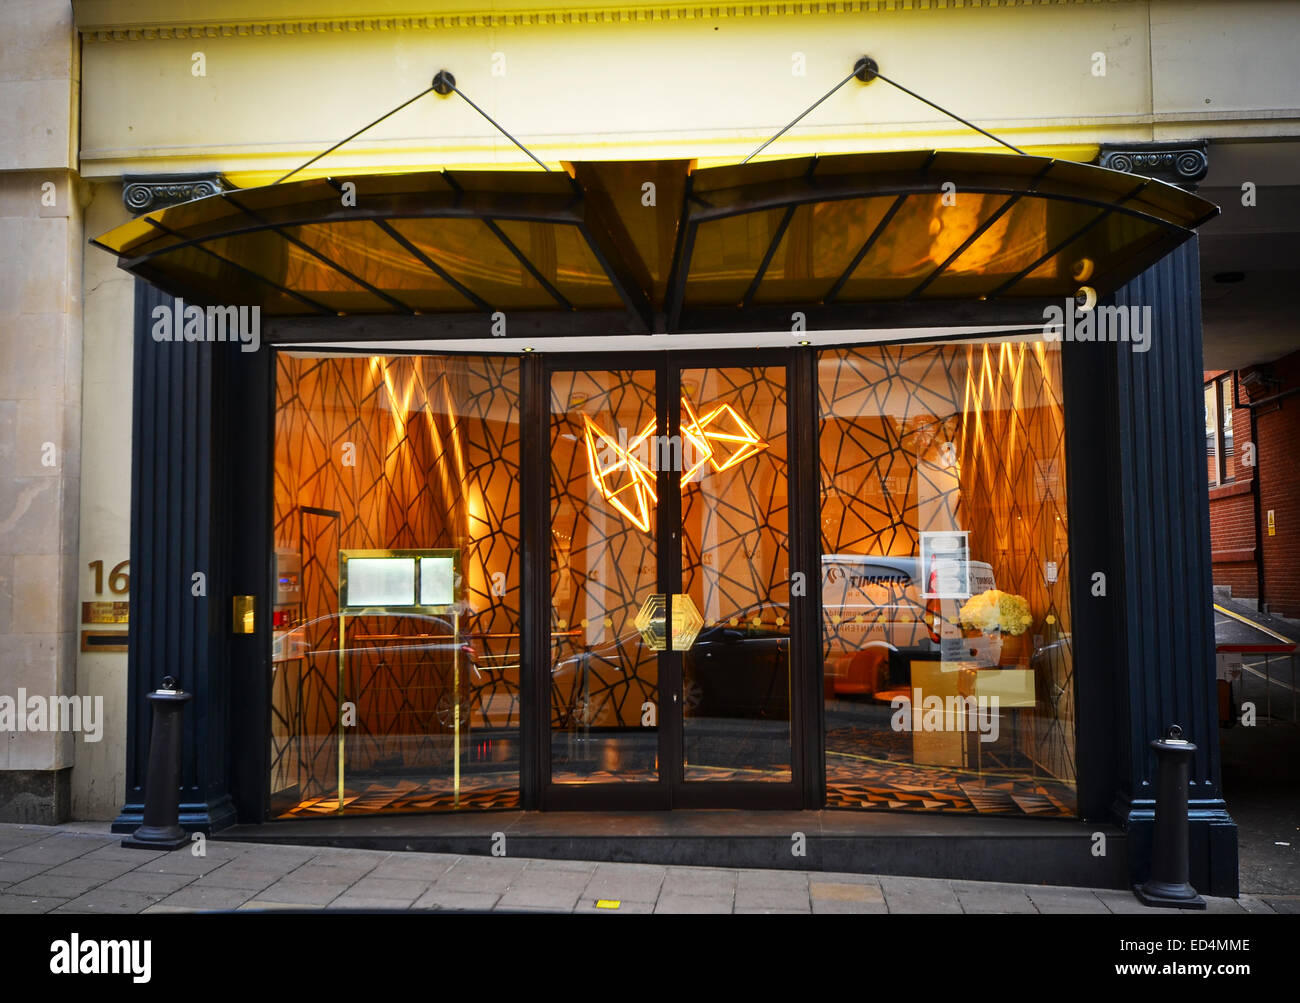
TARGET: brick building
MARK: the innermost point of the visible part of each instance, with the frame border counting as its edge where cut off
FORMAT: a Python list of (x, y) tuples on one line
[(1252, 427)]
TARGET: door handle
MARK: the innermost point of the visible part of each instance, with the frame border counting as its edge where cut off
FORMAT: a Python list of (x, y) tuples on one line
[(652, 622)]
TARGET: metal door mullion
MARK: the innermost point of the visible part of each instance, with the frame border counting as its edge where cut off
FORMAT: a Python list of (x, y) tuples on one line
[(807, 706), (668, 526)]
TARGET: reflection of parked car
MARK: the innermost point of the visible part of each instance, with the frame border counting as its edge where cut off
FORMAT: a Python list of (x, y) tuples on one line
[(738, 668), (876, 619), (741, 666), (1053, 665), (412, 653), (603, 685)]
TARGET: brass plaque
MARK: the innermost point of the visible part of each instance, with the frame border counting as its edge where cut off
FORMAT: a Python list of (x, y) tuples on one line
[(105, 612)]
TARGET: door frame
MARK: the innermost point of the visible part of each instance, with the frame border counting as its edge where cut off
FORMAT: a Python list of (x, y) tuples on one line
[(806, 788)]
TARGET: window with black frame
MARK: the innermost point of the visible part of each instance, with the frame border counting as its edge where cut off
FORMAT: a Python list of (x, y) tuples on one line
[(1220, 450)]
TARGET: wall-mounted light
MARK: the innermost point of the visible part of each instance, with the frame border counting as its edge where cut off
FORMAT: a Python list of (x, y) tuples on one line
[(721, 439), (621, 476), (724, 427)]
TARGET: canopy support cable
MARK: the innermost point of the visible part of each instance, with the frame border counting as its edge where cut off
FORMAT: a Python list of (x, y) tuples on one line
[(867, 70), (444, 83), (801, 115), (349, 139)]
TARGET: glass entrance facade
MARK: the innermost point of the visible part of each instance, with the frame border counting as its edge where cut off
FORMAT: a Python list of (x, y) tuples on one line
[(938, 621)]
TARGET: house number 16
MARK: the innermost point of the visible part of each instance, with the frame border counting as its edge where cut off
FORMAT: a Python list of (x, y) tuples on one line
[(119, 582)]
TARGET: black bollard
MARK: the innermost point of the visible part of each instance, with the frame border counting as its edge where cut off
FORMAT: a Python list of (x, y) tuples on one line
[(1168, 885), (162, 792)]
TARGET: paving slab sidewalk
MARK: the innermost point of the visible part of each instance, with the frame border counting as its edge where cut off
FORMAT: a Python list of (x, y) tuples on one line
[(81, 868)]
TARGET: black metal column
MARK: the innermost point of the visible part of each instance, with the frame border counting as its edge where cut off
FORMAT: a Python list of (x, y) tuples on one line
[(1164, 597), (1092, 428), (178, 529), (244, 414)]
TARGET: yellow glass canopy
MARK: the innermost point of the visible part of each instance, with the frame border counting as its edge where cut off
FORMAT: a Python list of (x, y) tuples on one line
[(657, 246)]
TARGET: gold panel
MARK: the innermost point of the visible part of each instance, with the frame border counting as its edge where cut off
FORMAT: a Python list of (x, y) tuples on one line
[(243, 619), (1010, 687), (948, 746)]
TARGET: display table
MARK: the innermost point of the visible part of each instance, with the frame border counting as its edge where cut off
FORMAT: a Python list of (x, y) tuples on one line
[(1012, 688), (949, 745)]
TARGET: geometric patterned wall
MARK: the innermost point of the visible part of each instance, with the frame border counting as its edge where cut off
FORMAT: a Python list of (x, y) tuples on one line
[(969, 436), (423, 452), (399, 452)]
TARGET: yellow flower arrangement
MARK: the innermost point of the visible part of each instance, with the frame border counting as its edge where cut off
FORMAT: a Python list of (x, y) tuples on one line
[(996, 610)]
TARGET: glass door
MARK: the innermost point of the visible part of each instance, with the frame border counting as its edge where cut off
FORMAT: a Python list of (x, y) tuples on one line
[(735, 573), (670, 664), (604, 687)]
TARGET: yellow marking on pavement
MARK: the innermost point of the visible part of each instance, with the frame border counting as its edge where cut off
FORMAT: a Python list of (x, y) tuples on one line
[(1252, 623), (833, 891), (608, 903)]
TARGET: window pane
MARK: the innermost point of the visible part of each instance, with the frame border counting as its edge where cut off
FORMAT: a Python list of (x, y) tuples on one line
[(1229, 454), (1211, 426), (413, 698), (945, 579), (735, 567)]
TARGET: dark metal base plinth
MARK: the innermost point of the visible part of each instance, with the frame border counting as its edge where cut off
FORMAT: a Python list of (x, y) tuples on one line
[(146, 838), (970, 847), (196, 816), (1164, 896)]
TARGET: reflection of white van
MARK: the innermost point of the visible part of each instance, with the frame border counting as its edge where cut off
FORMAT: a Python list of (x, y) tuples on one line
[(873, 610)]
